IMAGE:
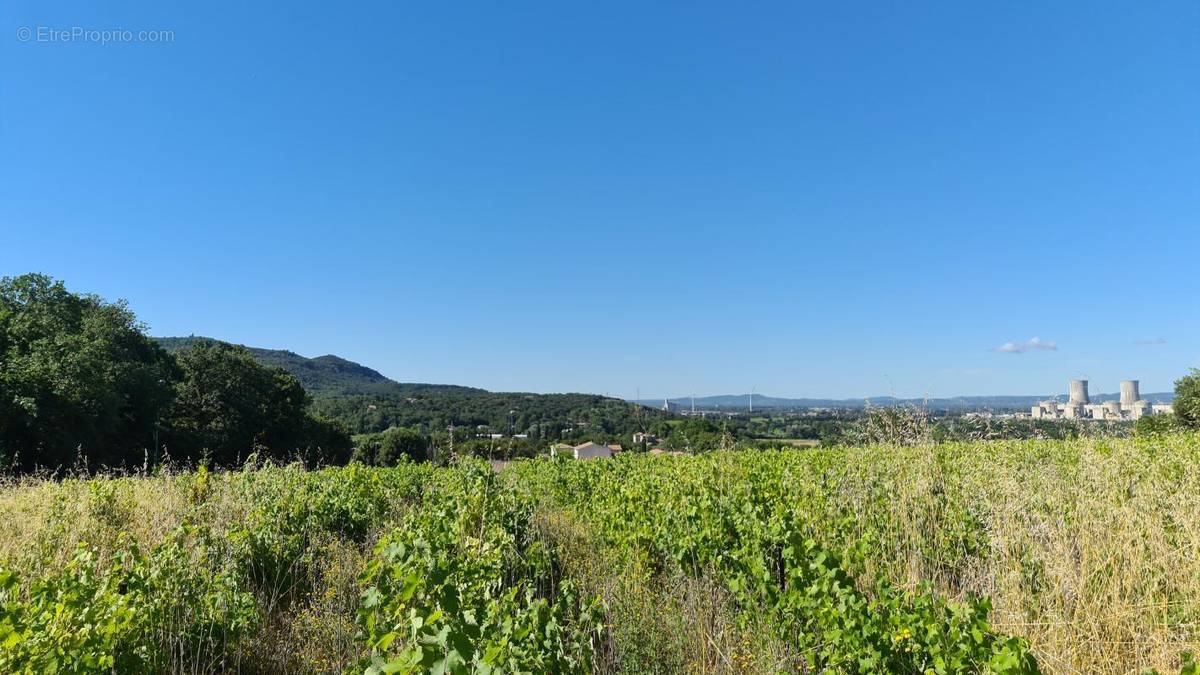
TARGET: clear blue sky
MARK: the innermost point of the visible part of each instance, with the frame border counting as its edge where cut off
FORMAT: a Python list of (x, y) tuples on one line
[(821, 199)]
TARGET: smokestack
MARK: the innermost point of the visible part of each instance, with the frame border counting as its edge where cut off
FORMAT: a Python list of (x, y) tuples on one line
[(1079, 392), (1129, 393)]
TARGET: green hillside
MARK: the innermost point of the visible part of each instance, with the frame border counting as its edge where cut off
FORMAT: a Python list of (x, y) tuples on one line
[(366, 401), (329, 375)]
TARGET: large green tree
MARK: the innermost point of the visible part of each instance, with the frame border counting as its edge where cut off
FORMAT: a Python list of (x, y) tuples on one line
[(228, 406), (77, 377), (1187, 399)]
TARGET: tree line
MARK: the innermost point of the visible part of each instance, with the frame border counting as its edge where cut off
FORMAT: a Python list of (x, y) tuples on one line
[(80, 381)]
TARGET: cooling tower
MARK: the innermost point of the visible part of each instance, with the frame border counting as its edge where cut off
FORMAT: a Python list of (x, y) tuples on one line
[(1129, 393), (1079, 391)]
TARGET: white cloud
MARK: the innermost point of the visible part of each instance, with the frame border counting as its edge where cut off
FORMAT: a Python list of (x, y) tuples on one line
[(1032, 344), (1150, 343)]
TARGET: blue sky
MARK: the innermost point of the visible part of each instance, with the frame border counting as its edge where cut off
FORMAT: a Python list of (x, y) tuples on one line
[(807, 199)]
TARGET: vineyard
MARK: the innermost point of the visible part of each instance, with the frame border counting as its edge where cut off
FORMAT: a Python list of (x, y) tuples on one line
[(1012, 557)]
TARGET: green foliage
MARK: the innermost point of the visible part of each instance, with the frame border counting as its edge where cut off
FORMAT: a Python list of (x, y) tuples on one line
[(498, 448), (328, 376), (1149, 425), (696, 434), (467, 577), (75, 372), (324, 441), (80, 380), (391, 447), (193, 602), (366, 402), (228, 406), (1187, 399), (787, 555), (275, 543), (544, 417), (462, 586), (136, 614)]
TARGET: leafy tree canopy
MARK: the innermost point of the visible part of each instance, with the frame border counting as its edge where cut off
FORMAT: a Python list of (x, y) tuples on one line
[(79, 378), (1187, 399), (77, 374)]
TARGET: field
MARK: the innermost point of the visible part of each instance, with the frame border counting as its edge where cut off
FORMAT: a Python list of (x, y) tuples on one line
[(1052, 556)]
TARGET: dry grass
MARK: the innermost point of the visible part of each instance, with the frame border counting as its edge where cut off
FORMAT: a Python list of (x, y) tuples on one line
[(1097, 561), (1093, 546), (42, 523), (317, 636), (660, 623)]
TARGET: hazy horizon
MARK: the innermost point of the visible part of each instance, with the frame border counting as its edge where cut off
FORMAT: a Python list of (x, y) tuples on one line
[(650, 398)]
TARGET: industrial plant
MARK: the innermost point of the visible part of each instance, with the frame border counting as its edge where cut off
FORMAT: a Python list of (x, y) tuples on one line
[(1079, 406)]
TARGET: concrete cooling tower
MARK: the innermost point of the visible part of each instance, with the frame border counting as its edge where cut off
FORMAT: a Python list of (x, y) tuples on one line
[(1129, 393), (1079, 392), (1079, 406)]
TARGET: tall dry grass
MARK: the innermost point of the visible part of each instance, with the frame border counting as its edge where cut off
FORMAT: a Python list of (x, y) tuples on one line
[(307, 612), (1090, 548), (659, 624)]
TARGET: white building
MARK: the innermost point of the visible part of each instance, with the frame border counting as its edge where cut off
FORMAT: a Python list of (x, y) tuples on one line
[(587, 450)]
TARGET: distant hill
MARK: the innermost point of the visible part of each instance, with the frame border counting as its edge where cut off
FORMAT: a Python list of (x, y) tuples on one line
[(742, 402), (329, 375), (365, 400)]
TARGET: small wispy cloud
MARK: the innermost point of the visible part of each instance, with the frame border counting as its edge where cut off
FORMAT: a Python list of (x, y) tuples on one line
[(1032, 344), (1150, 343)]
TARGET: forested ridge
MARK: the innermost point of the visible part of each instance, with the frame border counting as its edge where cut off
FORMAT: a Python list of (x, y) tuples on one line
[(366, 401), (327, 376)]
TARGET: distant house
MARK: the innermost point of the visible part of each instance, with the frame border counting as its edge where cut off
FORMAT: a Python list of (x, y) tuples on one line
[(643, 437), (591, 450), (587, 450)]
